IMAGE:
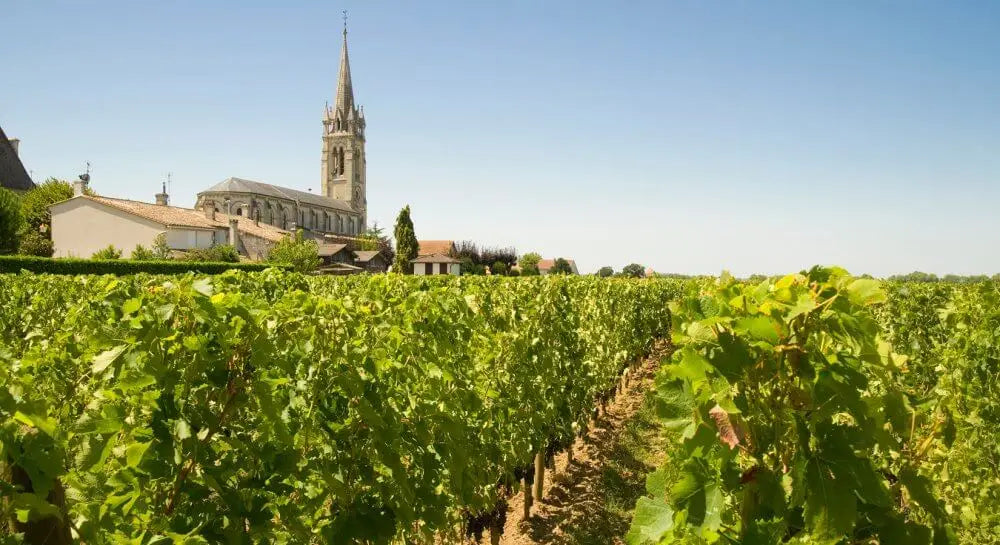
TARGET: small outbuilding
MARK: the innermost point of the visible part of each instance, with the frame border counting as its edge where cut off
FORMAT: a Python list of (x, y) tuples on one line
[(371, 260), (436, 264)]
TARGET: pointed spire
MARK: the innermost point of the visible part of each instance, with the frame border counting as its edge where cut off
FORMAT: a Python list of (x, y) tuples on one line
[(345, 91)]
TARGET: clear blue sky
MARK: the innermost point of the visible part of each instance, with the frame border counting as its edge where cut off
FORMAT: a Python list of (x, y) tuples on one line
[(687, 136)]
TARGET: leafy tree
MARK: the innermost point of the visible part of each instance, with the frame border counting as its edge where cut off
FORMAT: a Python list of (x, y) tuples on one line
[(470, 267), (529, 264), (160, 249), (301, 253), (633, 270), (499, 268), (34, 243), (507, 256), (375, 239), (406, 242), (222, 253), (561, 266), (107, 253), (10, 221), (605, 272)]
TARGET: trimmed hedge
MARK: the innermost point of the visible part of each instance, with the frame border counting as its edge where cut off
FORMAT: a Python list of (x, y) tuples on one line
[(18, 263)]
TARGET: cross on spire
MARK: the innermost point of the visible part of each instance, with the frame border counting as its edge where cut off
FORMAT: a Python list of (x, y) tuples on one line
[(345, 22)]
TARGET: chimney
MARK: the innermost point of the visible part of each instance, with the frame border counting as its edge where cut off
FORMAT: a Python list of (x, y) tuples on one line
[(162, 197), (14, 142), (234, 232), (208, 207), (80, 185)]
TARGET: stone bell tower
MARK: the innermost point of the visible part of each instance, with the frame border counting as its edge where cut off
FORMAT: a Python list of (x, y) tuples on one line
[(344, 144)]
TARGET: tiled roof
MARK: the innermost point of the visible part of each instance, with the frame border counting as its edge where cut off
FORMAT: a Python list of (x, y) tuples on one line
[(364, 256), (239, 185), (174, 216), (435, 258), (326, 250), (12, 172), (428, 247)]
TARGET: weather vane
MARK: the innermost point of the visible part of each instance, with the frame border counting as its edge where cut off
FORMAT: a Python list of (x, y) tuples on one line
[(345, 21)]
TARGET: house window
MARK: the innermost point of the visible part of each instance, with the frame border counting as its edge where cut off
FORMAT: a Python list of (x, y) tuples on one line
[(443, 268), (428, 268)]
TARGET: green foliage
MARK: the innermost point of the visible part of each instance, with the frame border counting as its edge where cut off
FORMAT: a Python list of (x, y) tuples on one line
[(160, 250), (299, 253), (142, 253), (14, 264), (35, 244), (10, 221), (276, 408), (529, 264), (220, 253), (499, 268), (605, 272), (407, 245), (634, 270), (107, 253), (471, 268), (951, 332), (804, 430), (561, 266)]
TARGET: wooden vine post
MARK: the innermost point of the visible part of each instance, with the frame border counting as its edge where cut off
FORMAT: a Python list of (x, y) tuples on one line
[(527, 497), (539, 473)]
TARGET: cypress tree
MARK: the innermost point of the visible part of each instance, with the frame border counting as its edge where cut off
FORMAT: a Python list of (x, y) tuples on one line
[(406, 242)]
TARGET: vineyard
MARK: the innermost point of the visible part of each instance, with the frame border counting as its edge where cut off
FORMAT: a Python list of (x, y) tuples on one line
[(828, 409), (271, 407), (274, 408)]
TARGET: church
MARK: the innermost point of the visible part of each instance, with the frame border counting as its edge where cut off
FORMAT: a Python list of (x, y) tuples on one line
[(341, 208)]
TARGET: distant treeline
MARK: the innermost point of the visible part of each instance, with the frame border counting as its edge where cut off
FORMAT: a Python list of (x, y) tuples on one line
[(918, 276)]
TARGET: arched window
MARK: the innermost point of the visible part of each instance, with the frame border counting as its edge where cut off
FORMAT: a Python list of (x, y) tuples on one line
[(341, 160), (239, 211)]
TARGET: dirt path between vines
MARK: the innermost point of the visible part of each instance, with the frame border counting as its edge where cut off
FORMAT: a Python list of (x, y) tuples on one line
[(589, 502)]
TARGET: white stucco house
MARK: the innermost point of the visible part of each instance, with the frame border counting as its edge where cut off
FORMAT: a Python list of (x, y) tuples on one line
[(84, 224), (436, 264)]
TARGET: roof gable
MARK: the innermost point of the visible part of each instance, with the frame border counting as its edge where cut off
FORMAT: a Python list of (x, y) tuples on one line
[(12, 172)]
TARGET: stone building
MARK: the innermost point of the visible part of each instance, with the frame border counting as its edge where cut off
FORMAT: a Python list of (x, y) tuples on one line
[(341, 207), (85, 224)]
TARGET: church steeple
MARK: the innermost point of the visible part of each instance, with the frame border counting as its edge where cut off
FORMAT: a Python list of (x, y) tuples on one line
[(343, 168), (344, 102)]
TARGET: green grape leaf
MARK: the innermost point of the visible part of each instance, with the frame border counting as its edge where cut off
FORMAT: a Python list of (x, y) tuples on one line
[(106, 358), (865, 291), (831, 506), (652, 519), (921, 491)]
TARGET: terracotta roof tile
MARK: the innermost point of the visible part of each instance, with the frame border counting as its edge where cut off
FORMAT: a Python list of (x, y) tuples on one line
[(187, 217), (429, 247)]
